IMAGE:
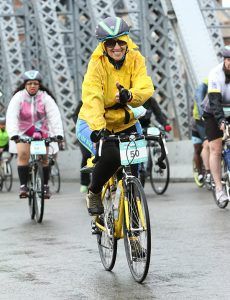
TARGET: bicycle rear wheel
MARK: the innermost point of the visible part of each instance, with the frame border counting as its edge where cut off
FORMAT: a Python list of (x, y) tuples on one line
[(107, 244), (55, 178), (8, 177), (159, 178), (137, 232), (38, 193)]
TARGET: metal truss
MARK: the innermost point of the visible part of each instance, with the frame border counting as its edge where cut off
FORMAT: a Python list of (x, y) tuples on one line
[(209, 11), (62, 83), (160, 49), (57, 37), (2, 84), (11, 55)]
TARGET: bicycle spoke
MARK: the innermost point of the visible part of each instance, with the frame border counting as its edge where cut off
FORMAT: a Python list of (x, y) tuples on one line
[(107, 244)]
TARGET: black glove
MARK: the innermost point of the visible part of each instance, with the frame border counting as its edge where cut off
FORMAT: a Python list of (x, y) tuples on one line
[(124, 94), (59, 138), (96, 135), (15, 138)]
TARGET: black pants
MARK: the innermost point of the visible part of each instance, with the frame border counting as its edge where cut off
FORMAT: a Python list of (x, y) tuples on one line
[(108, 164), (84, 177)]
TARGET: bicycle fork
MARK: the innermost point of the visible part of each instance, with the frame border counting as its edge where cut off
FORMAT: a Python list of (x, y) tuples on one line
[(128, 209)]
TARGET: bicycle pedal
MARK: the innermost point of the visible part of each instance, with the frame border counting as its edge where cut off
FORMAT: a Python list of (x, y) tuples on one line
[(94, 229)]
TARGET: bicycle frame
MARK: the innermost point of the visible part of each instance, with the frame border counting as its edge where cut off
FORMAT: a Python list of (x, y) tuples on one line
[(123, 206)]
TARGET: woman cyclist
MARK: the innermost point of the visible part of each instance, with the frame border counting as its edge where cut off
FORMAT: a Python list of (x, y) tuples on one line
[(32, 112), (116, 76), (216, 112)]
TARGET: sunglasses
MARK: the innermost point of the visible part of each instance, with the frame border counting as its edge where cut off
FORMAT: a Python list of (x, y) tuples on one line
[(32, 83), (112, 43)]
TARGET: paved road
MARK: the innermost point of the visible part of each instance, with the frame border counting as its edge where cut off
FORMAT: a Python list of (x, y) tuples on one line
[(59, 259)]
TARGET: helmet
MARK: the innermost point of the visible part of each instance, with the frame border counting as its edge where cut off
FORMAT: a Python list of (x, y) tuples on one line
[(226, 52), (31, 75), (111, 27), (2, 120)]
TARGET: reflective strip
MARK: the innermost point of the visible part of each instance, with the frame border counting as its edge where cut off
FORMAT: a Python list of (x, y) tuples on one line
[(109, 30), (214, 91)]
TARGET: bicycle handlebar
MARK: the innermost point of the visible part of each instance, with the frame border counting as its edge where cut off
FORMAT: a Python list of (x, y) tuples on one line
[(123, 137), (28, 140)]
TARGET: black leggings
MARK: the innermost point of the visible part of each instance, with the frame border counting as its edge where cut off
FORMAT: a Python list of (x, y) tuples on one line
[(108, 164), (84, 177)]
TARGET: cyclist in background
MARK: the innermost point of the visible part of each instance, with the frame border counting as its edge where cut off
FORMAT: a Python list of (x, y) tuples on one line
[(116, 76), (4, 138), (32, 112), (216, 112), (152, 108), (199, 139)]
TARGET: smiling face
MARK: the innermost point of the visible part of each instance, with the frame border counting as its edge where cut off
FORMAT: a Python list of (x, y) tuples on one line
[(115, 48), (32, 86), (227, 63)]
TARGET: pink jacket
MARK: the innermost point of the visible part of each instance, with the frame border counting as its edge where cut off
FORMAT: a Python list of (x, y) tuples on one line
[(27, 114)]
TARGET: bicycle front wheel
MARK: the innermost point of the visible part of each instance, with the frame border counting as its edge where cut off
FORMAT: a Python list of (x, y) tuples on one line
[(31, 196), (38, 193), (8, 177), (107, 244), (159, 178), (55, 178), (137, 232)]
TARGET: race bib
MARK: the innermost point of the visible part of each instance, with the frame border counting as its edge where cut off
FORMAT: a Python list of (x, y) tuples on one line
[(133, 152), (37, 147)]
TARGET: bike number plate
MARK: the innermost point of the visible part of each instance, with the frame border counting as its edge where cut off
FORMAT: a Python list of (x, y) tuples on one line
[(133, 152), (37, 147)]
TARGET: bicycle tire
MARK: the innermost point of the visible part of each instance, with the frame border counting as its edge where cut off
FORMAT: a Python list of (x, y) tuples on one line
[(107, 245), (195, 176), (159, 178), (31, 196), (38, 193), (8, 177), (55, 178), (138, 262)]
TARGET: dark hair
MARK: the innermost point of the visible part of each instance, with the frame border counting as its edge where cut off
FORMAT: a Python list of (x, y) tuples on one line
[(41, 88)]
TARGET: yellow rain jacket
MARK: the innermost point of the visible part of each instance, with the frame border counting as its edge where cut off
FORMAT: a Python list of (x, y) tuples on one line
[(99, 88)]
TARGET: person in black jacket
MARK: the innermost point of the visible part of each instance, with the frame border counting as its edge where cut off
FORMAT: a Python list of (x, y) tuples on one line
[(84, 177), (152, 107)]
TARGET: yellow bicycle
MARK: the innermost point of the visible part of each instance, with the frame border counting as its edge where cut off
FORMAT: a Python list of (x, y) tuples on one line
[(126, 213)]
